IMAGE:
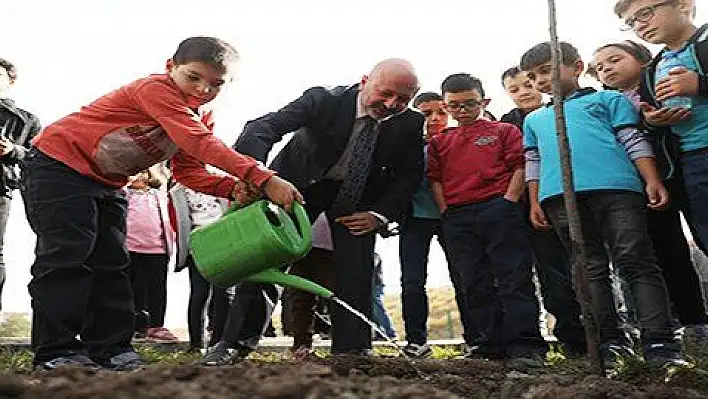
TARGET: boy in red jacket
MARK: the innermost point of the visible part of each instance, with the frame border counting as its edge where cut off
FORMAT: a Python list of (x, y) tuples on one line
[(476, 172), (73, 201)]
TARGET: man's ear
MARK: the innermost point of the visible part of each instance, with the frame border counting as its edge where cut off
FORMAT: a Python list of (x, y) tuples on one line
[(169, 65), (364, 79)]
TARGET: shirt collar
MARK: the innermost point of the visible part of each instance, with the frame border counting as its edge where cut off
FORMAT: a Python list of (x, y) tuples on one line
[(360, 111), (576, 94)]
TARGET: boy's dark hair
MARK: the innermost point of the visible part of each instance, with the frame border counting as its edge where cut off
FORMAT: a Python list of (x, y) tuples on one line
[(460, 82), (510, 73), (425, 97), (541, 54), (209, 50), (638, 51), (10, 68)]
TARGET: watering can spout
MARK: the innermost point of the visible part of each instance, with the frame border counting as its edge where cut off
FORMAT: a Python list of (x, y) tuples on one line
[(275, 276)]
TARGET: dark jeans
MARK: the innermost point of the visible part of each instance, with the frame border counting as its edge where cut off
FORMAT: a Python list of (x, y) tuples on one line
[(553, 269), (414, 247), (488, 244), (79, 282), (674, 256), (201, 291), (148, 277), (318, 267), (250, 313), (618, 219), (4, 214)]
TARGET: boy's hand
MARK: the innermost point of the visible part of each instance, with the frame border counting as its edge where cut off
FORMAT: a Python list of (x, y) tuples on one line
[(6, 146), (658, 195), (360, 223), (663, 116), (679, 82), (538, 217), (282, 192), (245, 193)]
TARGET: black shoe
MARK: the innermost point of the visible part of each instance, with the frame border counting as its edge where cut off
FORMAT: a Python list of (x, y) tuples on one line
[(126, 361), (665, 354), (418, 351), (353, 352), (67, 361), (483, 352), (222, 355)]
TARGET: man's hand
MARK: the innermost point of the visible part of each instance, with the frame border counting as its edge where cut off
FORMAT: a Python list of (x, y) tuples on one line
[(282, 192), (6, 146), (538, 217), (679, 82), (658, 195), (663, 116), (245, 193), (360, 223)]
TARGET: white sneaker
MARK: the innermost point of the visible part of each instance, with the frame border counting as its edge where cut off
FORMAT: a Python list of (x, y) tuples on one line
[(418, 351)]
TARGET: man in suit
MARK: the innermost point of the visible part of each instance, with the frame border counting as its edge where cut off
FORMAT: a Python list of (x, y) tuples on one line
[(356, 154)]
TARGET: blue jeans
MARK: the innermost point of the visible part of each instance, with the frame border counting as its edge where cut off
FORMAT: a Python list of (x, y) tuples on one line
[(379, 312), (414, 247), (488, 244), (618, 219)]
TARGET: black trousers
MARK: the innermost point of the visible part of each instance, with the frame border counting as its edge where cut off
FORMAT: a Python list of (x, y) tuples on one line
[(148, 278), (79, 283), (488, 244), (618, 219), (200, 292), (674, 257)]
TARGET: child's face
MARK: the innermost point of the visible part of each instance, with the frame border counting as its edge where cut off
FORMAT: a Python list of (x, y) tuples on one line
[(541, 77), (521, 90), (616, 68), (465, 107), (658, 22), (435, 117), (198, 80)]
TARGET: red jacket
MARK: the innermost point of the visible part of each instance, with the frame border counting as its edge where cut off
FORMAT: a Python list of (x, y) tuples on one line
[(475, 163), (140, 124)]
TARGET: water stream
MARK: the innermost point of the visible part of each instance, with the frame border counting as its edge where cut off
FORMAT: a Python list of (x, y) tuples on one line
[(380, 332)]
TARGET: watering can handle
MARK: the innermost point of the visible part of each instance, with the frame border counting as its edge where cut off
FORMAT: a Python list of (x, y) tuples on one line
[(303, 221)]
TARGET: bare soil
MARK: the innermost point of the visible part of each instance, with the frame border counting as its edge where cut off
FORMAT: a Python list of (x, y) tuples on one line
[(347, 377)]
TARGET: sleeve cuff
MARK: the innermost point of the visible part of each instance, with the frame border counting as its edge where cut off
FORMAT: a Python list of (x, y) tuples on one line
[(703, 85)]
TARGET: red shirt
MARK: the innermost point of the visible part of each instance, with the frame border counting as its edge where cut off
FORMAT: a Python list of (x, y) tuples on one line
[(140, 124), (475, 163)]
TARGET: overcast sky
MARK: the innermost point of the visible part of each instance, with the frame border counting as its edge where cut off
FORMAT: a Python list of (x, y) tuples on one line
[(70, 52)]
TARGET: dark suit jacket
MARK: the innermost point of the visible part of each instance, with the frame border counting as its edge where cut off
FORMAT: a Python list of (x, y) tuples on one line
[(322, 120)]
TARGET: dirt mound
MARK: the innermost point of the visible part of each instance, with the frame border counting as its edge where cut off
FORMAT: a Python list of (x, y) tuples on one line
[(333, 377)]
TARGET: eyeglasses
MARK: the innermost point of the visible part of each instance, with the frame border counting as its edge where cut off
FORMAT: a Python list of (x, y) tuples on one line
[(468, 105), (643, 15)]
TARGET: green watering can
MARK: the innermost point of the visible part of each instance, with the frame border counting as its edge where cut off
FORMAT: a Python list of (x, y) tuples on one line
[(252, 243)]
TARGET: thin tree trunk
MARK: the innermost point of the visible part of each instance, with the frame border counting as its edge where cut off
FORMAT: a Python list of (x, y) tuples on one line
[(578, 254)]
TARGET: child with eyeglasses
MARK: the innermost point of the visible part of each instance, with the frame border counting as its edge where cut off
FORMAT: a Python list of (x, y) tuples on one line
[(476, 172), (676, 105)]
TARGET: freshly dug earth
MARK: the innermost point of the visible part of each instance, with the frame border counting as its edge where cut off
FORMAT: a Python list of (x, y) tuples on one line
[(344, 377)]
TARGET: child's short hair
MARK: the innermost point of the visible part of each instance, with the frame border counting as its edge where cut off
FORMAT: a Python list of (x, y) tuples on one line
[(541, 54), (209, 50), (510, 73), (425, 97), (640, 52), (623, 5), (460, 82), (9, 67)]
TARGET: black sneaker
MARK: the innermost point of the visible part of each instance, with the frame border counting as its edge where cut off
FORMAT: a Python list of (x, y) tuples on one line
[(526, 360), (483, 352), (417, 351), (666, 354), (611, 355), (126, 361), (67, 361), (222, 355)]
